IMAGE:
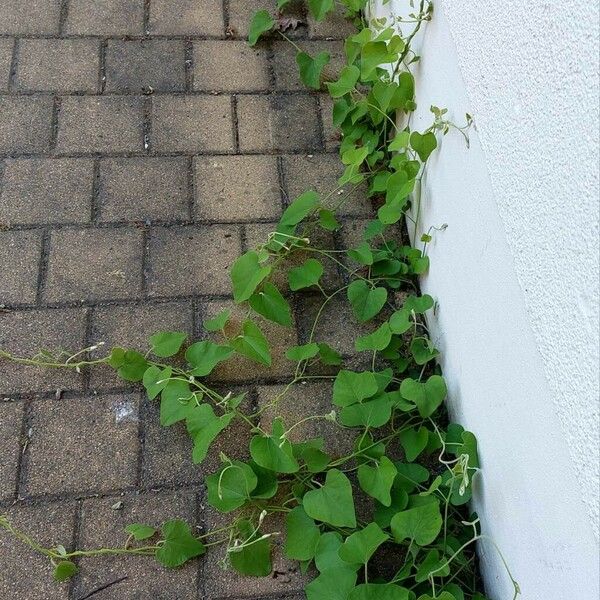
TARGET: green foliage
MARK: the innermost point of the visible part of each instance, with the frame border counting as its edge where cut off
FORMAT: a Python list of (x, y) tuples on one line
[(140, 532), (332, 503), (179, 544), (261, 23), (311, 68), (64, 570)]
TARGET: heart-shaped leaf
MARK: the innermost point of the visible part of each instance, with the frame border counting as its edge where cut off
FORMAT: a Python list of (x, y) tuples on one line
[(205, 356), (179, 544), (246, 275), (252, 343), (427, 396), (350, 387), (423, 145), (366, 301), (261, 22), (348, 77), (204, 426), (361, 545), (421, 524), (377, 481), (379, 591), (310, 68), (302, 535), (306, 275), (333, 502), (167, 343), (269, 303)]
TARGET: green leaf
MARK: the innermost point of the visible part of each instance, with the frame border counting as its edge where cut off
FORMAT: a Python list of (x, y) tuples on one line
[(252, 343), (140, 532), (328, 355), (298, 353), (350, 387), (217, 323), (167, 343), (155, 380), (64, 570), (413, 441), (311, 68), (204, 426), (377, 481), (373, 413), (366, 302), (423, 145), (254, 556), (302, 535), (362, 254), (332, 503), (261, 22), (267, 482), (421, 524), (379, 591), (179, 544), (418, 304), (378, 340), (400, 142), (300, 208), (348, 77), (327, 220), (432, 562), (231, 486), (448, 596), (427, 396), (306, 275), (274, 452), (401, 321), (320, 8), (175, 402), (205, 356), (399, 501), (423, 350), (246, 275), (327, 556), (333, 584), (372, 55), (361, 545), (131, 365), (269, 303)]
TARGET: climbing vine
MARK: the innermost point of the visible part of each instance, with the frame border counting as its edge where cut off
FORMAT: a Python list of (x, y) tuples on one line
[(406, 482)]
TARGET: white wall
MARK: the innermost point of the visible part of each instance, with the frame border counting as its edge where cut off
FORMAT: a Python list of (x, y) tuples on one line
[(516, 274)]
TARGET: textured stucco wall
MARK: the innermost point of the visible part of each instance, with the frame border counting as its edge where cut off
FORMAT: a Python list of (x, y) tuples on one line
[(516, 274)]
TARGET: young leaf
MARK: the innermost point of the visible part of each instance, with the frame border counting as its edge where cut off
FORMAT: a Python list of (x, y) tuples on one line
[(320, 8), (253, 557), (379, 591), (427, 396), (217, 323), (140, 532), (302, 535), (305, 275), (413, 441), (261, 22), (252, 343), (346, 82), (269, 303), (366, 302), (361, 545), (377, 481), (231, 486), (205, 356), (300, 208), (174, 403), (350, 387), (273, 453), (311, 68), (327, 220), (131, 365), (246, 275), (421, 524), (332, 503), (298, 353), (64, 570), (167, 343), (204, 426), (422, 350), (155, 380), (179, 544), (423, 145)]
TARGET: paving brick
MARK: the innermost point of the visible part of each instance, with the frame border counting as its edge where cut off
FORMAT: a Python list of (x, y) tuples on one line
[(142, 189), (83, 444), (105, 17), (230, 66), (11, 418), (25, 574), (335, 25), (25, 124), (46, 191), (94, 264), (101, 526), (167, 458), (32, 17), (26, 333), (130, 327), (6, 51), (242, 11), (286, 577), (286, 69), (58, 65), (265, 123), (237, 188), (100, 124), (240, 368), (321, 172), (186, 17), (331, 134), (192, 260), (257, 234), (138, 65), (302, 399), (20, 253), (192, 124)]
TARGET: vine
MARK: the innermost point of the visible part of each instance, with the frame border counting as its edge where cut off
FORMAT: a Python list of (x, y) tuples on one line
[(416, 469)]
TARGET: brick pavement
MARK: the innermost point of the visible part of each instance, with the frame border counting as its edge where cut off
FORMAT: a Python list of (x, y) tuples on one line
[(143, 146)]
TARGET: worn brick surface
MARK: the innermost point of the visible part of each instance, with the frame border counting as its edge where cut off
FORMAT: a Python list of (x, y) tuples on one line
[(97, 124), (20, 253), (331, 135), (187, 17), (145, 65), (141, 189), (105, 17), (11, 418), (6, 52), (31, 17), (25, 333), (247, 68), (94, 264), (335, 25), (237, 188), (83, 444), (203, 253), (102, 526), (192, 124), (25, 574), (58, 65), (25, 124), (265, 123), (43, 191)]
